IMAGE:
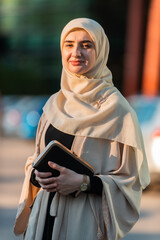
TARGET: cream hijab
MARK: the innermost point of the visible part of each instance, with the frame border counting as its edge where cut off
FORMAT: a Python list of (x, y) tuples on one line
[(89, 105), (74, 108)]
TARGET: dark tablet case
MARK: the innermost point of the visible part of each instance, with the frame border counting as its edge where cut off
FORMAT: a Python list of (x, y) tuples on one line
[(58, 153)]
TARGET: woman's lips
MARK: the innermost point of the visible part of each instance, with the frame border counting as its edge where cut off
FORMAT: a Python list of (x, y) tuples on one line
[(76, 63)]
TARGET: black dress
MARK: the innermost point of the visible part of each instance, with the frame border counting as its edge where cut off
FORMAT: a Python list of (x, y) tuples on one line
[(95, 183)]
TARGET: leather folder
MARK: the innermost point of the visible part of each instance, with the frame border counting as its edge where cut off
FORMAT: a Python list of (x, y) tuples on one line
[(59, 154)]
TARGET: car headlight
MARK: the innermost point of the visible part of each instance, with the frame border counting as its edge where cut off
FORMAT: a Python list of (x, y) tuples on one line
[(156, 148)]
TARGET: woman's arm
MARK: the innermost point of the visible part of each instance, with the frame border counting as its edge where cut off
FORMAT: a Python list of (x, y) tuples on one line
[(67, 182), (95, 185)]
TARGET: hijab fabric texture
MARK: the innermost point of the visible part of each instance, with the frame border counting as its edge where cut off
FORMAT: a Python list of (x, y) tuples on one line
[(89, 105)]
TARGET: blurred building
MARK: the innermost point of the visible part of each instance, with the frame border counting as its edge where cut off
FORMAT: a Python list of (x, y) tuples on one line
[(142, 53)]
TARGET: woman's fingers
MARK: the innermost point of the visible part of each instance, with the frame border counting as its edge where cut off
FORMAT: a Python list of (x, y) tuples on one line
[(42, 174), (50, 187), (68, 181), (55, 166), (45, 180)]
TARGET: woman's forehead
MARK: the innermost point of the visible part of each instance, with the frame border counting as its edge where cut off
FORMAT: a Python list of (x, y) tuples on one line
[(78, 34)]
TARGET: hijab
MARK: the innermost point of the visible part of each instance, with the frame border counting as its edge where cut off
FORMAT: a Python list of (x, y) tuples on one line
[(76, 106), (89, 105)]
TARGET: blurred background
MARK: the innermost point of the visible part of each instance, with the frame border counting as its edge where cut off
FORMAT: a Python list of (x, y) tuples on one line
[(30, 70)]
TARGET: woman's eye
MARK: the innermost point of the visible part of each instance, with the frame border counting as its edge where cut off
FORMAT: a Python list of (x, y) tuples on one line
[(87, 46), (68, 45)]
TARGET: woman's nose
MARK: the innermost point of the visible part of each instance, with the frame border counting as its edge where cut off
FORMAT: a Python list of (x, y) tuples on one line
[(76, 51)]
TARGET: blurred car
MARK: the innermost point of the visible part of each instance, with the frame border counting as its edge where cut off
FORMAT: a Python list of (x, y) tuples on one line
[(148, 113), (21, 114)]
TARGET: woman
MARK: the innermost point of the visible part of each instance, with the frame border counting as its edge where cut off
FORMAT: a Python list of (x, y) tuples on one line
[(91, 117)]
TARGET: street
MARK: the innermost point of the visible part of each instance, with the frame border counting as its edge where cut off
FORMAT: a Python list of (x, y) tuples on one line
[(13, 154)]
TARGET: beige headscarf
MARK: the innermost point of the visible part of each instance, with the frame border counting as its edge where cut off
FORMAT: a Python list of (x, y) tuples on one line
[(75, 106), (89, 105)]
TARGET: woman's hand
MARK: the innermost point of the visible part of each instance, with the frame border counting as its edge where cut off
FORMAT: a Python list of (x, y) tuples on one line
[(67, 182)]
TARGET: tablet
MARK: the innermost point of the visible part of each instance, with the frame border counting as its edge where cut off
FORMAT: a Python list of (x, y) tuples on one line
[(58, 153)]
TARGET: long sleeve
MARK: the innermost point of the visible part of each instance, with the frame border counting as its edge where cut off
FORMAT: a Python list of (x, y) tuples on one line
[(116, 165), (29, 191), (96, 185), (122, 195)]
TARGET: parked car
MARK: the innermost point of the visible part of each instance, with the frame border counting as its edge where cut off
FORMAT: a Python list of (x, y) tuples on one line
[(148, 113), (21, 114)]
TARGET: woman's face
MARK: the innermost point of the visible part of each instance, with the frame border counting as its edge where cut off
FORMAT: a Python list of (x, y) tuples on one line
[(78, 52)]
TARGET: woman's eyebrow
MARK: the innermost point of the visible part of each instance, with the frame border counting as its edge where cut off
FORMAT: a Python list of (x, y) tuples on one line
[(84, 41), (87, 41)]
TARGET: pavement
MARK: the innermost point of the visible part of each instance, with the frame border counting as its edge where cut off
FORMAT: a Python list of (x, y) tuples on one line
[(13, 155), (148, 226)]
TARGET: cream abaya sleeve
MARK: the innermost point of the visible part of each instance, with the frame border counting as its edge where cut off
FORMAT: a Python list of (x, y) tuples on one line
[(29, 191), (121, 196), (115, 163)]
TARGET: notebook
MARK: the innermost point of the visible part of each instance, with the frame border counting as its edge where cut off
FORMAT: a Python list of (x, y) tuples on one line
[(58, 153)]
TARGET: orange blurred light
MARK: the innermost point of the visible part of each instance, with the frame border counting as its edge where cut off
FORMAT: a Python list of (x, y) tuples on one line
[(152, 51)]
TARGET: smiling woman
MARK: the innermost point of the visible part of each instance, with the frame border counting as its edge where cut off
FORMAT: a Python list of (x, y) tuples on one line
[(78, 52), (91, 118)]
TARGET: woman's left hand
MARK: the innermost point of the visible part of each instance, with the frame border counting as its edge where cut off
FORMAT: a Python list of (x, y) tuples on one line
[(67, 182)]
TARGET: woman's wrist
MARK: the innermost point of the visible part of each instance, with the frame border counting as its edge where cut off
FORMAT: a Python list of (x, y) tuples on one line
[(79, 182), (84, 183)]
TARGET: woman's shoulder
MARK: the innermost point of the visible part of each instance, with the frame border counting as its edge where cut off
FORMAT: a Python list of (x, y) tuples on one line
[(119, 106), (43, 118), (52, 97), (120, 101), (49, 102)]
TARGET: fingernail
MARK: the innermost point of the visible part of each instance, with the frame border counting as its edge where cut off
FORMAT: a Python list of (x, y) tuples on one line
[(50, 163)]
